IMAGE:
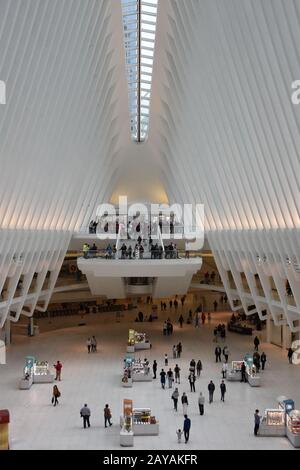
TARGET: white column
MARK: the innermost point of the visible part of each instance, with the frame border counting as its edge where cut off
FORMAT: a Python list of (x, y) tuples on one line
[(7, 332), (269, 326)]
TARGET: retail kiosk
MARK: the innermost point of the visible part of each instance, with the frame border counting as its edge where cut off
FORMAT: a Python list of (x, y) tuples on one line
[(283, 421), (126, 433), (234, 374), (4, 423), (137, 341), (35, 372), (135, 370), (136, 422), (253, 378)]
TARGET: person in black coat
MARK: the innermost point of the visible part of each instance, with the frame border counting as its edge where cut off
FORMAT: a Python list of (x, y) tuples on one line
[(243, 372), (192, 380), (154, 368), (218, 352), (263, 360), (211, 388), (223, 390)]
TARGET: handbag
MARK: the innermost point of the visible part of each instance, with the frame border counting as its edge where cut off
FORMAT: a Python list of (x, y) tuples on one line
[(52, 401)]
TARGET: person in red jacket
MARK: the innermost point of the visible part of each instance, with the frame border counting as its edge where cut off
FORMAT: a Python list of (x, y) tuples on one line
[(58, 368)]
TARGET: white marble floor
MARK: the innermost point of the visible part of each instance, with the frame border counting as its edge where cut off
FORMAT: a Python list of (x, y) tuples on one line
[(96, 379)]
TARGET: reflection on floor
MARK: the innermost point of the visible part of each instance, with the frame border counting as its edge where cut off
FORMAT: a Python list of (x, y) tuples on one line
[(96, 379)]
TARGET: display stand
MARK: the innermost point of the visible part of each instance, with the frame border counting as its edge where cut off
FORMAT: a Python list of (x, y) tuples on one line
[(137, 341), (273, 423), (143, 423), (35, 372), (25, 384), (293, 427), (234, 374), (126, 433), (253, 380)]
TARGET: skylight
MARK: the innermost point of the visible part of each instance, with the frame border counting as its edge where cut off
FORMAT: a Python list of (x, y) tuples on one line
[(139, 23)]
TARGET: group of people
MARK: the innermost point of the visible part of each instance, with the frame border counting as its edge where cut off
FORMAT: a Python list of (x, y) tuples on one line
[(168, 328), (89, 251), (85, 414), (220, 332), (91, 344)]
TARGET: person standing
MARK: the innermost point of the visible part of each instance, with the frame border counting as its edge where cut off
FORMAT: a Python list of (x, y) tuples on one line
[(166, 360), (223, 390), (177, 373), (94, 344), (181, 321), (209, 317), (58, 368), (218, 352), (290, 355), (224, 370), (192, 380), (88, 345), (185, 403), (174, 351), (179, 349), (154, 368), (211, 388), (215, 306), (107, 416), (186, 428), (85, 414), (257, 419), (199, 368), (175, 396), (226, 353), (243, 372), (263, 360), (201, 401), (55, 395), (256, 343), (163, 379), (203, 318), (192, 366), (170, 377)]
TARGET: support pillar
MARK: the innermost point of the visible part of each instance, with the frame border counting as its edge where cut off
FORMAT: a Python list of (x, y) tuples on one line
[(30, 327), (7, 332), (269, 326)]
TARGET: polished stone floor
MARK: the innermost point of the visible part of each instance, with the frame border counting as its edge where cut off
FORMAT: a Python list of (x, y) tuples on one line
[(96, 379)]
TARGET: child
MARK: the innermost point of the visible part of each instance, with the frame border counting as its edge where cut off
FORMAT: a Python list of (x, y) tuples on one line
[(166, 359), (179, 434)]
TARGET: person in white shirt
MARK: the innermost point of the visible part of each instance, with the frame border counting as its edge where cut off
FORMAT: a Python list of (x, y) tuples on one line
[(179, 435), (224, 370), (88, 345)]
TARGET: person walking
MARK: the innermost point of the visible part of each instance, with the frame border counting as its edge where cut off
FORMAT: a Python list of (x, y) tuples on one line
[(211, 388), (55, 395), (263, 360), (257, 419), (58, 368), (163, 379), (179, 349), (85, 414), (193, 366), (201, 401), (94, 344), (290, 355), (243, 372), (181, 321), (223, 390), (192, 380), (174, 351), (88, 345), (186, 428), (175, 397), (203, 318), (166, 360), (226, 353), (218, 352), (256, 343), (154, 368), (170, 378), (185, 403), (107, 416), (177, 373), (199, 368), (224, 370), (179, 436)]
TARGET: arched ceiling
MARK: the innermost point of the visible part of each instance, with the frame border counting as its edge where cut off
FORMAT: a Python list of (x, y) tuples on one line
[(223, 129)]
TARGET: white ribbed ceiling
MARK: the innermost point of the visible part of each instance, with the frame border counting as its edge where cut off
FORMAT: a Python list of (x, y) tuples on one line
[(223, 131)]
